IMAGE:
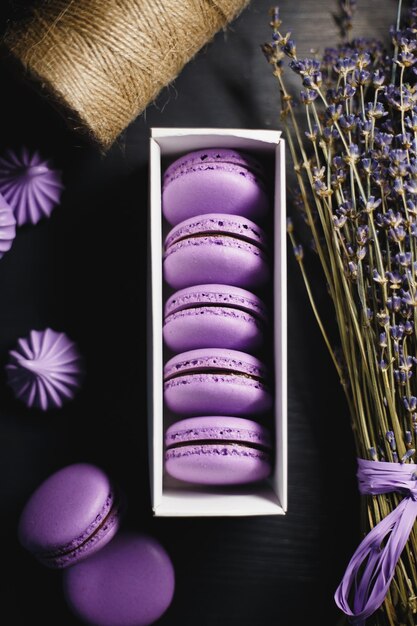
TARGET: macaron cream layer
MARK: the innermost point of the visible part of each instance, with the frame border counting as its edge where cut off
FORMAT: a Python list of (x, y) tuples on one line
[(215, 359), (213, 427), (217, 224), (216, 296), (100, 531)]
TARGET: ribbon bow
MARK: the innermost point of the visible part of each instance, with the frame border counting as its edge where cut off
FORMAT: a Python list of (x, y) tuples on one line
[(376, 562)]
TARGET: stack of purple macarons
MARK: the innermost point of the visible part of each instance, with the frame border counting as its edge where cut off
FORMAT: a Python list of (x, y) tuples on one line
[(217, 390)]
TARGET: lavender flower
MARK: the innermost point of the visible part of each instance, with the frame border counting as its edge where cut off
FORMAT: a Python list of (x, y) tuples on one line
[(410, 453), (358, 177), (391, 440), (410, 403)]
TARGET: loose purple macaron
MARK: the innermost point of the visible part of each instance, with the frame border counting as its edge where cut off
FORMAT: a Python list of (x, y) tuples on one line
[(216, 180), (129, 583), (216, 248), (70, 516), (214, 316), (218, 450), (215, 381)]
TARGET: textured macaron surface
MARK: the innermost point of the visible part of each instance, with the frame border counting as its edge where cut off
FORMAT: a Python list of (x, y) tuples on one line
[(130, 582), (220, 316), (221, 157), (215, 259), (217, 427), (215, 295), (218, 450), (65, 511), (216, 248), (218, 464), (214, 181), (199, 361), (217, 224), (216, 381), (209, 326)]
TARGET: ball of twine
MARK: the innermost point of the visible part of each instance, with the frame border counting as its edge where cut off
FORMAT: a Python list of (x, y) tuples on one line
[(104, 61)]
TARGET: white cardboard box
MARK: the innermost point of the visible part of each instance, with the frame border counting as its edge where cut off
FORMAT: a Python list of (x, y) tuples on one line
[(170, 497)]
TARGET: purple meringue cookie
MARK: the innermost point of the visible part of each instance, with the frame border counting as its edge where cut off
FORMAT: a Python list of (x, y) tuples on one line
[(72, 514), (130, 582), (214, 316), (214, 180), (7, 226), (215, 381), (218, 450), (216, 248), (30, 185), (45, 369)]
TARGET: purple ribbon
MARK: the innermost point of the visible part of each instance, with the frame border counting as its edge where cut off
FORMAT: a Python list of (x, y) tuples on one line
[(371, 569)]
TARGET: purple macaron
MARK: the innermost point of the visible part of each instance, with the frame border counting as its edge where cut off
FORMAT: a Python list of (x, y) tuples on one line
[(216, 180), (216, 248), (130, 582), (215, 381), (70, 516), (214, 316), (218, 450)]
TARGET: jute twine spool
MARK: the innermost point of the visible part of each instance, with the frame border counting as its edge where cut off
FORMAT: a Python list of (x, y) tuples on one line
[(104, 61)]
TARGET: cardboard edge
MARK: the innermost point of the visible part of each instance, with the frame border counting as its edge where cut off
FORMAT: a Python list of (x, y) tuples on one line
[(155, 336), (281, 266), (269, 136)]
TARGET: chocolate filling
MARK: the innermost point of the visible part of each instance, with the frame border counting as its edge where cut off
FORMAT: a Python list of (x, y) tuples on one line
[(221, 442), (218, 372), (223, 305), (65, 552), (218, 234)]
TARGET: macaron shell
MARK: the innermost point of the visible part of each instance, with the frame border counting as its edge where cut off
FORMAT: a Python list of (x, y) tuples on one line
[(217, 259), (65, 511), (203, 183), (130, 582), (212, 326), (217, 464), (228, 394), (210, 156)]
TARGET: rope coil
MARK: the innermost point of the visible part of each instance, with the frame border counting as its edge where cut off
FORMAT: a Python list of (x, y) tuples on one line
[(103, 62)]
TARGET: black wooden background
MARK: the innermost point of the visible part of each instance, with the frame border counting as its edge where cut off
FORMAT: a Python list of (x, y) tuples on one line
[(83, 272)]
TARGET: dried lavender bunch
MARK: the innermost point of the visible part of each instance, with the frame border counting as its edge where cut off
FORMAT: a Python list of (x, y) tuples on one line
[(355, 158)]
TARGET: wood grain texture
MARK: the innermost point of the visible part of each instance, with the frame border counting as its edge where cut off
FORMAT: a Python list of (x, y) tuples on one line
[(67, 271)]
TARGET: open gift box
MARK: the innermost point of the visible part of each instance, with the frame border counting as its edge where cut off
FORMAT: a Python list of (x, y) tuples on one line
[(169, 496)]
